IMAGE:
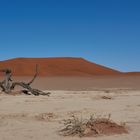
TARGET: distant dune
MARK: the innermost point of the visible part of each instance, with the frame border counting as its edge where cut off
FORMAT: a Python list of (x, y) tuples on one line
[(132, 73), (56, 67)]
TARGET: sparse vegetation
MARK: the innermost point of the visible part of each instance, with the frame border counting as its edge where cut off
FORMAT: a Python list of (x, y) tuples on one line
[(91, 127), (106, 97), (45, 116)]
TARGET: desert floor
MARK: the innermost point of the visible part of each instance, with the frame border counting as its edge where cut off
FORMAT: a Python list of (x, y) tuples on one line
[(25, 117)]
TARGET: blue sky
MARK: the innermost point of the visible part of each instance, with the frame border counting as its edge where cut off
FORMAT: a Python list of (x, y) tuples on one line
[(103, 31)]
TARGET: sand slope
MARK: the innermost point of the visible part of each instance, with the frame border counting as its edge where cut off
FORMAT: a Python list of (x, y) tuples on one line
[(56, 67)]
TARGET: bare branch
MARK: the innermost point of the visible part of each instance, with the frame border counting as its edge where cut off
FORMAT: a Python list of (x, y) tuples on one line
[(36, 74), (35, 92), (2, 87)]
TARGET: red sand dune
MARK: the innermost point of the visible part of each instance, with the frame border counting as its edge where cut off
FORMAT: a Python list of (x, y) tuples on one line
[(132, 73), (55, 67)]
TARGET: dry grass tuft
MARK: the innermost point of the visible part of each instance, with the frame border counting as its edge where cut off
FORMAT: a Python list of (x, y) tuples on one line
[(106, 97), (45, 116), (91, 127)]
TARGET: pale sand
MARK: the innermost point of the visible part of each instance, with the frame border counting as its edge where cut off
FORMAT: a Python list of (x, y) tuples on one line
[(25, 117)]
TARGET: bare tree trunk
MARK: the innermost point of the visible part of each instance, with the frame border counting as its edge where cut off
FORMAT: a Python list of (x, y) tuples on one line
[(6, 84)]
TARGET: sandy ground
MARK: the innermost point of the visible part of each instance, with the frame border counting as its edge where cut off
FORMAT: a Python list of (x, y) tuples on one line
[(25, 117), (83, 83)]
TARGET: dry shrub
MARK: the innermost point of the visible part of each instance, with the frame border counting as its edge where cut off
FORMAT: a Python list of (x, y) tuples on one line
[(45, 116), (107, 91), (91, 127), (106, 97)]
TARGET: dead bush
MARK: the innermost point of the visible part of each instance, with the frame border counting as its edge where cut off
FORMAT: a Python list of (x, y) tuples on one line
[(45, 116), (91, 127)]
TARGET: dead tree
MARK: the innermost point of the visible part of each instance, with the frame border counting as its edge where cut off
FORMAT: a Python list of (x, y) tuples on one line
[(7, 85)]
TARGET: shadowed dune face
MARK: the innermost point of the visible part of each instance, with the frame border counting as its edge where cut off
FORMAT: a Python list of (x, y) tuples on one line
[(55, 67)]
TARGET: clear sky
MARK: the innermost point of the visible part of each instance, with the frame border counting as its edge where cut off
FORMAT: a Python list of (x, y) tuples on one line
[(103, 31)]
